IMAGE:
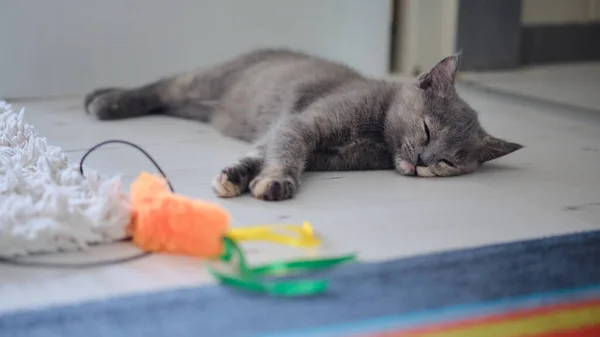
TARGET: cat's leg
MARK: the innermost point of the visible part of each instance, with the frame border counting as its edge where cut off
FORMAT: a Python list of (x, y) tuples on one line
[(189, 95), (286, 153), (235, 179), (183, 94)]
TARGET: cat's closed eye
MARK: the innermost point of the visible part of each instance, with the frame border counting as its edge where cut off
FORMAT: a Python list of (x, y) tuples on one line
[(427, 134)]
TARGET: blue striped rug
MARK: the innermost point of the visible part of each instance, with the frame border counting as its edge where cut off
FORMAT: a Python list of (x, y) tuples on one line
[(363, 300)]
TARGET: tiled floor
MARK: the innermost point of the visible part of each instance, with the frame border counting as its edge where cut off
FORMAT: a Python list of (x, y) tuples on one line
[(552, 186)]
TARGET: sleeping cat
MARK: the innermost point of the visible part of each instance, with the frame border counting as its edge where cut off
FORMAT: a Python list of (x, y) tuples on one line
[(306, 113)]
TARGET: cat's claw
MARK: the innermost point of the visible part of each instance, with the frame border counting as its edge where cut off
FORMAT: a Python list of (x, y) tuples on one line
[(273, 189)]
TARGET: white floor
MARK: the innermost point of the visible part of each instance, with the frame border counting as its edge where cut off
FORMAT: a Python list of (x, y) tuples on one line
[(576, 84), (550, 187)]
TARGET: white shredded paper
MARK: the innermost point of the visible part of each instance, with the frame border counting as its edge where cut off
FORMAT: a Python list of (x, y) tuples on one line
[(45, 204)]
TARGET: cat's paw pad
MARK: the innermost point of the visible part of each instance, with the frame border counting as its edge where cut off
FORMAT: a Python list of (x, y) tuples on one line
[(103, 103), (224, 187), (273, 189)]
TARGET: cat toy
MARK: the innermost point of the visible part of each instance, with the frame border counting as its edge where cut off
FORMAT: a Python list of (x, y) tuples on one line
[(165, 222)]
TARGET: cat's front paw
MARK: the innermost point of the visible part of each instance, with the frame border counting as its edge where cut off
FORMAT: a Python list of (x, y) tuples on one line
[(273, 188), (225, 185), (103, 103)]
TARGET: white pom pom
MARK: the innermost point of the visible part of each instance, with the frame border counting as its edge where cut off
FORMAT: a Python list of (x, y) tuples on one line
[(45, 204)]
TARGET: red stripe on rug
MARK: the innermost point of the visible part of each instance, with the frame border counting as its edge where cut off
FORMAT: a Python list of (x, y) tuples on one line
[(492, 318)]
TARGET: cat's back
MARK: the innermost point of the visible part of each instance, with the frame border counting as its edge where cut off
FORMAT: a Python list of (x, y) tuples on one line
[(275, 83), (287, 75)]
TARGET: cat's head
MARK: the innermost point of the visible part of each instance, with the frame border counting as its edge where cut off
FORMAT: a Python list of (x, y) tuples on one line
[(434, 132)]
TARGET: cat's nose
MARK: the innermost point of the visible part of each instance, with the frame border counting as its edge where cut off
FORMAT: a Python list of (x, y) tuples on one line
[(420, 162)]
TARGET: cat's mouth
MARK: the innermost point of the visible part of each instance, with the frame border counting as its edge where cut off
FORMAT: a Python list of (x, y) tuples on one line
[(421, 169)]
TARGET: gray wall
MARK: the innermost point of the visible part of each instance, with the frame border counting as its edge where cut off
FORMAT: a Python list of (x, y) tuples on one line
[(489, 34), (71, 46)]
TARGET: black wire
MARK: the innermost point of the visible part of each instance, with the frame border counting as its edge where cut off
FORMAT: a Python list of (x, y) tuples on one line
[(130, 144), (101, 263)]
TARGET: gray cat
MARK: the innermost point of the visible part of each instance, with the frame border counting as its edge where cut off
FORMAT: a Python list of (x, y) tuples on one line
[(307, 113)]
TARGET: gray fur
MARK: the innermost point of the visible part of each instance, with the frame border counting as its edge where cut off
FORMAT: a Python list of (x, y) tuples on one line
[(306, 113)]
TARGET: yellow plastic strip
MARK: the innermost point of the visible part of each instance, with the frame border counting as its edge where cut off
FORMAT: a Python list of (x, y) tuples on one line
[(296, 236)]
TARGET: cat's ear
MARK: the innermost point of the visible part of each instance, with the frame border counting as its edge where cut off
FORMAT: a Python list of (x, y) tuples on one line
[(492, 148), (442, 76)]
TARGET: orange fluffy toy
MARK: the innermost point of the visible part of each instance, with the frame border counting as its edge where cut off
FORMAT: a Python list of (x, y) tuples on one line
[(166, 222)]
